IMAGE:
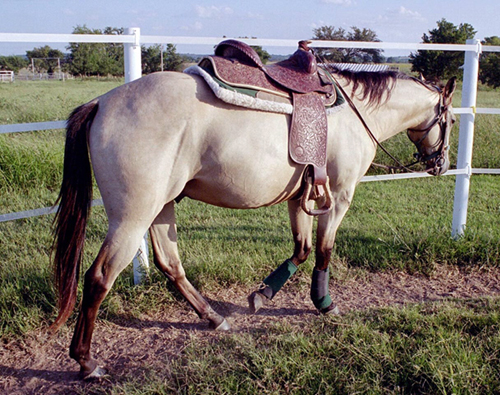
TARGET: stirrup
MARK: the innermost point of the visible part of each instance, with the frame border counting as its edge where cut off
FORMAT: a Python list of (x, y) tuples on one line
[(306, 195)]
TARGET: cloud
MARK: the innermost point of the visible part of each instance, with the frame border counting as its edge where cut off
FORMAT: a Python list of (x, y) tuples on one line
[(253, 15), (410, 14), (212, 12), (197, 26), (401, 15), (316, 25), (338, 2)]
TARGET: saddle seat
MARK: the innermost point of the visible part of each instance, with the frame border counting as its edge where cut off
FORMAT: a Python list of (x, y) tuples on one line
[(298, 79), (238, 63)]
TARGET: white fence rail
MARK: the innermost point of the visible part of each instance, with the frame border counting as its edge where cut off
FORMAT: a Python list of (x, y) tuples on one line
[(6, 76), (44, 76), (133, 40)]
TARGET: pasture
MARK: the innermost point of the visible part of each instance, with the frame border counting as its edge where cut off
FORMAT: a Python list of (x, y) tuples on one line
[(443, 341)]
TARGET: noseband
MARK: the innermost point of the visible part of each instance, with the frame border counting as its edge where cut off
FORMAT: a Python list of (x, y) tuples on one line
[(440, 154)]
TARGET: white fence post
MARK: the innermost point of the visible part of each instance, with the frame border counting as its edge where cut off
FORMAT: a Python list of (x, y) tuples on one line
[(465, 139), (133, 68), (133, 71), (141, 261)]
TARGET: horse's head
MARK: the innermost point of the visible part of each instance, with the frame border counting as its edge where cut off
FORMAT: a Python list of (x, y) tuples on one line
[(432, 137)]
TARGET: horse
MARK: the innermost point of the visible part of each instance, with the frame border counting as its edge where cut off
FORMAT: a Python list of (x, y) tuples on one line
[(165, 136)]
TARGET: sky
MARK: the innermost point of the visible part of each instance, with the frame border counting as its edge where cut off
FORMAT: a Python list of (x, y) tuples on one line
[(392, 20)]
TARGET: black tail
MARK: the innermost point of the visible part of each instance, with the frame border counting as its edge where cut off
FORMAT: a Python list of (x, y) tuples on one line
[(74, 201)]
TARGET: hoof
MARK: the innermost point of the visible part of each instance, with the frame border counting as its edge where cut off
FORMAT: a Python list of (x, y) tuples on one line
[(256, 301), (223, 326), (330, 310), (96, 374)]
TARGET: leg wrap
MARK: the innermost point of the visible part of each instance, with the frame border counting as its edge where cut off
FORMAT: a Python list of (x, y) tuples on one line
[(320, 294), (278, 278)]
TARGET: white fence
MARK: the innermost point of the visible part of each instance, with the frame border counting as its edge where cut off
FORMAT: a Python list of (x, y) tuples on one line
[(44, 76), (133, 40), (6, 76)]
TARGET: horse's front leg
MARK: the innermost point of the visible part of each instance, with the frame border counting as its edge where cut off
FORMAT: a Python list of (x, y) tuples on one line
[(326, 232), (301, 224)]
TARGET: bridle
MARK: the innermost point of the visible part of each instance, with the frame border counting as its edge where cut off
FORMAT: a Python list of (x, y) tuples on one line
[(439, 155)]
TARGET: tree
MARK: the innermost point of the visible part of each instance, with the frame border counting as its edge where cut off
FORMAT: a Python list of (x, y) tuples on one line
[(13, 63), (263, 54), (489, 66), (439, 65), (114, 58), (152, 58), (47, 58), (348, 55), (88, 59), (171, 59)]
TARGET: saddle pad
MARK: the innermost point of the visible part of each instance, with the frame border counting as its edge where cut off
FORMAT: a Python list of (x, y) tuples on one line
[(235, 96), (253, 99)]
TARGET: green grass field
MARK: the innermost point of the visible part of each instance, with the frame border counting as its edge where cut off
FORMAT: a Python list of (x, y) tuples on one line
[(442, 347), (432, 349)]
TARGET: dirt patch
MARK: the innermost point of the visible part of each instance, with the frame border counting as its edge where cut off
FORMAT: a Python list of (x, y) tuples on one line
[(38, 364)]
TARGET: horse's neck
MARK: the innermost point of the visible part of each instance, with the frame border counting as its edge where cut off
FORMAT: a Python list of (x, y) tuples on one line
[(409, 106)]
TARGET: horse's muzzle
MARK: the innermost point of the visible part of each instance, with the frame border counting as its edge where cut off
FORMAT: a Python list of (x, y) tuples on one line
[(438, 166)]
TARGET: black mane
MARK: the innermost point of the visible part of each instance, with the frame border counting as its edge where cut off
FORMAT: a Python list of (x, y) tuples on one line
[(375, 86)]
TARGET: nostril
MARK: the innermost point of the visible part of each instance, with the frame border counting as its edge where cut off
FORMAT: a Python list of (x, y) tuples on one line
[(446, 166)]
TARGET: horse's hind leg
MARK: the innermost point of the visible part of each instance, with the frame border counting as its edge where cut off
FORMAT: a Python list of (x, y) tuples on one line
[(301, 224), (166, 257), (116, 253)]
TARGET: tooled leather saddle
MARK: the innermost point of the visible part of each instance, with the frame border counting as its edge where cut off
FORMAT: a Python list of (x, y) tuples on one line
[(298, 79)]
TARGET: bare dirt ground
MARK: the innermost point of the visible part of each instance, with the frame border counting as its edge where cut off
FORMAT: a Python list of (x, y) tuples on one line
[(38, 364)]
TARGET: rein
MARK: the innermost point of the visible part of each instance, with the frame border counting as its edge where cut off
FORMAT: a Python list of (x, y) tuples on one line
[(419, 157)]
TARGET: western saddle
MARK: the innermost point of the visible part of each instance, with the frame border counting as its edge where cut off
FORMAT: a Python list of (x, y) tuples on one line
[(309, 89)]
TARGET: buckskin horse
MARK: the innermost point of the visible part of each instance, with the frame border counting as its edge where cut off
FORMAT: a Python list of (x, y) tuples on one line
[(167, 136)]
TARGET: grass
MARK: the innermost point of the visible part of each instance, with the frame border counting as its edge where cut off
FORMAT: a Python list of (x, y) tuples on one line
[(39, 101), (435, 348), (446, 347), (409, 228), (449, 347)]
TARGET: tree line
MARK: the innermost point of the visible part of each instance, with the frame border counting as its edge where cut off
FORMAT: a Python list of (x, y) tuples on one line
[(94, 59), (102, 59), (433, 65)]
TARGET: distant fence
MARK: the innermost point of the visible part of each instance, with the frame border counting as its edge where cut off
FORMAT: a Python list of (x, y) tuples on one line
[(43, 76), (132, 41), (6, 76)]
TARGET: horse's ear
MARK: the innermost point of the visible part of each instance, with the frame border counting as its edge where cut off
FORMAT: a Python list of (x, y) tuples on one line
[(421, 77), (449, 89)]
